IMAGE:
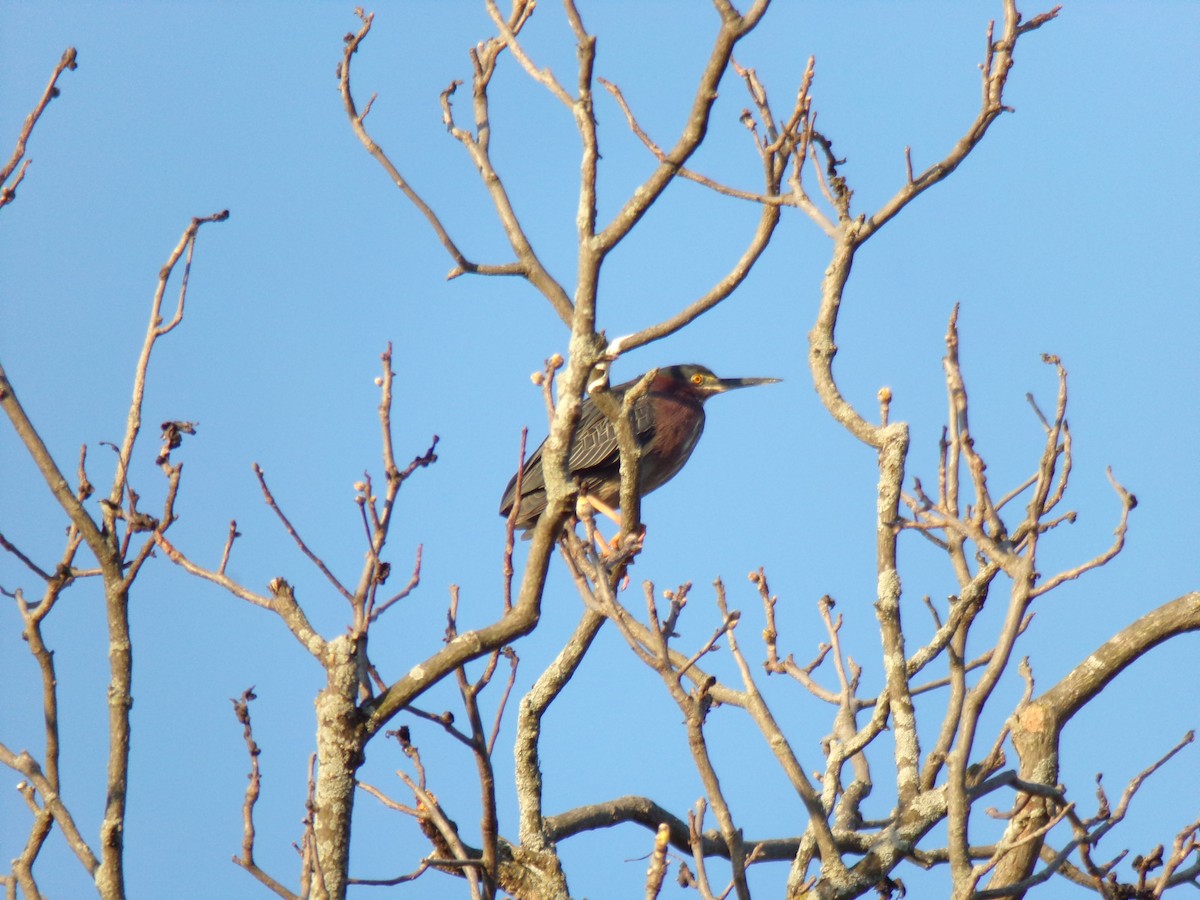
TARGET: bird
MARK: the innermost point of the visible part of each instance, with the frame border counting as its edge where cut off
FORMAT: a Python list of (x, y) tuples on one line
[(668, 420)]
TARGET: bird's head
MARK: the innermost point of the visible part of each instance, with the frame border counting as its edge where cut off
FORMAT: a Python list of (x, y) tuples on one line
[(700, 382)]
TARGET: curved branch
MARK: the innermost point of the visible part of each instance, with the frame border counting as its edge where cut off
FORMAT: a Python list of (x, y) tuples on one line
[(1037, 726), (1083, 683), (821, 345), (470, 645), (645, 812), (1128, 502), (852, 233)]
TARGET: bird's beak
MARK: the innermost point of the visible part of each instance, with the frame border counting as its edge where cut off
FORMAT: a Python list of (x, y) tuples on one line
[(729, 384)]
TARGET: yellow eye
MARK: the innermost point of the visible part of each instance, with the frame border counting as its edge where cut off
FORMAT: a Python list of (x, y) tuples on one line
[(697, 379)]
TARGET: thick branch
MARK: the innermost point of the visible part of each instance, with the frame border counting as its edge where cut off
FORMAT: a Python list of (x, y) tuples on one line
[(1085, 682), (645, 812), (1037, 727)]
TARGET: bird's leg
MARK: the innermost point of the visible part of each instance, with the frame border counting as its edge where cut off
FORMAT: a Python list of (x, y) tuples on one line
[(605, 547), (601, 507), (584, 509), (584, 513)]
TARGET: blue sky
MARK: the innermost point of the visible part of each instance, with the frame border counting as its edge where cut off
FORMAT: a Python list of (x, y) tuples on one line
[(1072, 230)]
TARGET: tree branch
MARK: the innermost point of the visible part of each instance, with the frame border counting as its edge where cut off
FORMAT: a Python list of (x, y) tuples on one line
[(8, 191)]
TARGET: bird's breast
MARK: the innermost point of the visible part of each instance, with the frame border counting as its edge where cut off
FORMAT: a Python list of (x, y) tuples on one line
[(677, 427)]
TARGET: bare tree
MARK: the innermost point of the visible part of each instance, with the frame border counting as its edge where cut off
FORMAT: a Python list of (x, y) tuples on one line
[(120, 537), (850, 843)]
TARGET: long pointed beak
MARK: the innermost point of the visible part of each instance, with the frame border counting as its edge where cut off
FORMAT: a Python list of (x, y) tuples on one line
[(729, 384)]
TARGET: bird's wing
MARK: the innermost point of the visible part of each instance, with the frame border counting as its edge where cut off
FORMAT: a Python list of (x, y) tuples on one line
[(596, 438), (595, 445), (531, 478)]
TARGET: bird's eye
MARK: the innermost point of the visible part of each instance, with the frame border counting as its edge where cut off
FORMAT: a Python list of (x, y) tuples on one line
[(697, 379)]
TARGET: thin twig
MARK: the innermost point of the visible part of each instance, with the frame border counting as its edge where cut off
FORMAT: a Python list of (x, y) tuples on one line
[(290, 529), (8, 192), (413, 581), (241, 708)]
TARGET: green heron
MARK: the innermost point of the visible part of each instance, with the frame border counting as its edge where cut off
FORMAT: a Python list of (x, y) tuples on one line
[(668, 419)]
